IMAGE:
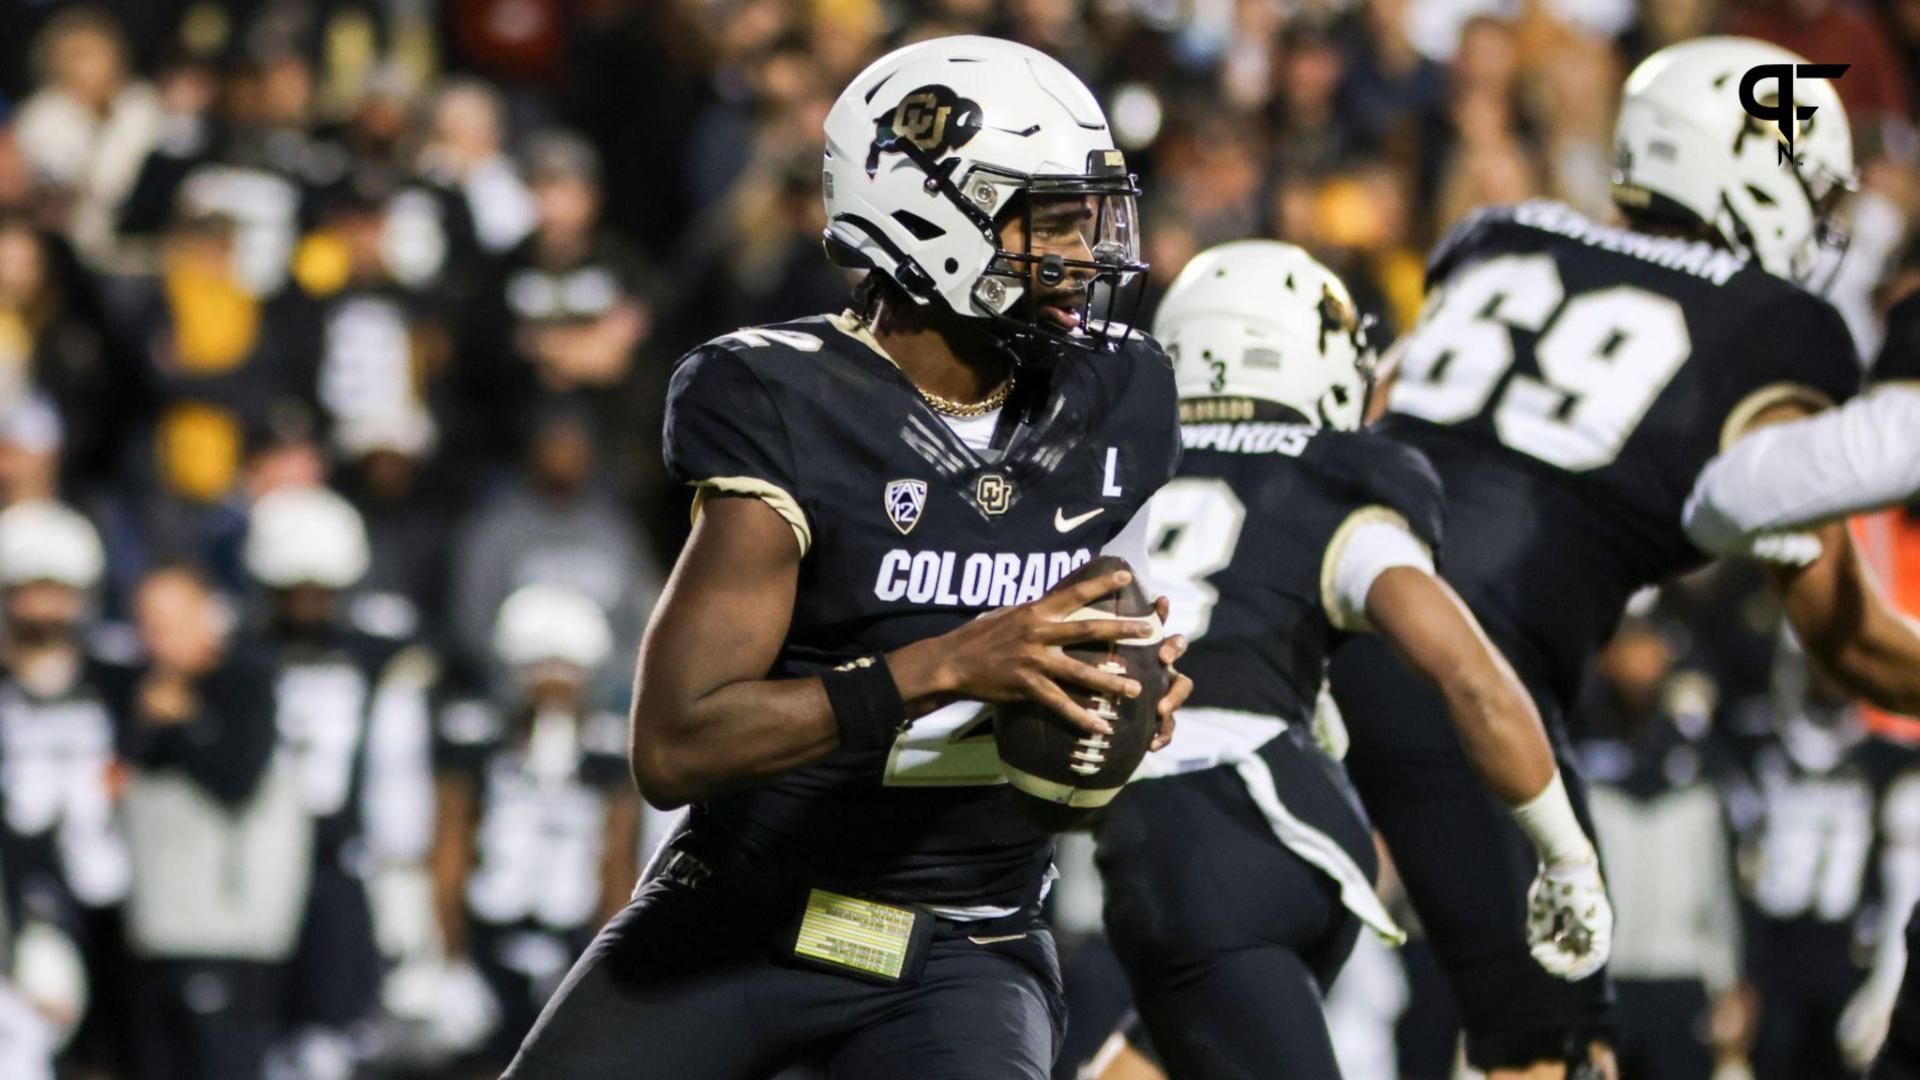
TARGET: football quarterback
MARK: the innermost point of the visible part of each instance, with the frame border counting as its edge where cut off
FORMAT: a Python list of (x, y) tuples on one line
[(885, 500)]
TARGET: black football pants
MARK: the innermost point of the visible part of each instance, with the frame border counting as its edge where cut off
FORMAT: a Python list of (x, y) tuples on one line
[(1228, 937), (1465, 864), (684, 984)]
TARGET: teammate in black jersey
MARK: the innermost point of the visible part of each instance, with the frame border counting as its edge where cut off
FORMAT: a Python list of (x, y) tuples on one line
[(537, 827), (1829, 818), (884, 499), (1236, 886), (351, 719), (62, 838), (1569, 381)]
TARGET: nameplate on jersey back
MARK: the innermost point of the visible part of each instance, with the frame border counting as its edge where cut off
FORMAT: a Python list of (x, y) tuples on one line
[(865, 939)]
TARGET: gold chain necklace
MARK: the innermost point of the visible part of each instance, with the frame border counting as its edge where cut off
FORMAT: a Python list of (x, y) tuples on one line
[(961, 410)]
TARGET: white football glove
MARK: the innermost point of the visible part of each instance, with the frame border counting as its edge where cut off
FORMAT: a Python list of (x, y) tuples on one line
[(1714, 534), (1786, 548), (1863, 1024), (1570, 920)]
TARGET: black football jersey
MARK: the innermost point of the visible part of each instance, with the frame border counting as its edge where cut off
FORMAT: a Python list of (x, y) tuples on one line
[(1813, 810), (1899, 359), (907, 533), (542, 790), (1242, 542), (1569, 381), (327, 701), (58, 762)]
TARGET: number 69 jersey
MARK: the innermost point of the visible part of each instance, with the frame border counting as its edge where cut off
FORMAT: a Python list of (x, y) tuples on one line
[(1569, 381)]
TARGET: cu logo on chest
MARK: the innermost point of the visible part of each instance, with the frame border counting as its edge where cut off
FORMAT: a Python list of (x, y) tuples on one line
[(994, 492)]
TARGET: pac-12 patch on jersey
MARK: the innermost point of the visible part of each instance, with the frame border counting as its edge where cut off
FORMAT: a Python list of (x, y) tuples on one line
[(905, 500)]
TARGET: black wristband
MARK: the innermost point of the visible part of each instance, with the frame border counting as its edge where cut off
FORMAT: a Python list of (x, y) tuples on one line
[(866, 704)]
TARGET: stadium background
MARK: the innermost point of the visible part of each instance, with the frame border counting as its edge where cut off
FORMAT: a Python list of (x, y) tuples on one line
[(440, 255)]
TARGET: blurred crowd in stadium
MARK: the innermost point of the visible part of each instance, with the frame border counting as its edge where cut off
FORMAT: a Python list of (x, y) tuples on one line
[(333, 341)]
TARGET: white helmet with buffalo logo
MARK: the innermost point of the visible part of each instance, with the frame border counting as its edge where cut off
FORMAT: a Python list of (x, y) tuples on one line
[(1687, 150), (935, 145), (1264, 320)]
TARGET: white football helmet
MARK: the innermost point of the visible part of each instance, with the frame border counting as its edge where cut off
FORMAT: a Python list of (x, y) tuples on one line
[(539, 623), (1262, 319), (306, 536), (45, 541), (1686, 148), (934, 143)]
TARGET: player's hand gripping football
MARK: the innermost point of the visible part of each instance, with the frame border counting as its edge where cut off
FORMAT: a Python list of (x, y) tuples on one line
[(1017, 654), (1570, 919)]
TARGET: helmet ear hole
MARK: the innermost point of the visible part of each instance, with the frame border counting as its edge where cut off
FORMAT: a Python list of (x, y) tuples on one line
[(845, 255)]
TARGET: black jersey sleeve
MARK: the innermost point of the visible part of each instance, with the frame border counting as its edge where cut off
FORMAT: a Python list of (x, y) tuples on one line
[(1376, 471), (1154, 382), (1461, 240), (1795, 348), (1899, 359), (725, 433)]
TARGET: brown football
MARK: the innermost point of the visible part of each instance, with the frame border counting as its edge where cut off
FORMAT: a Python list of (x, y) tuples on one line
[(1063, 774)]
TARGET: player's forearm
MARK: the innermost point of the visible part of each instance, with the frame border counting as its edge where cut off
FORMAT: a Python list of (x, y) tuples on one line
[(1848, 629), (737, 734), (1882, 664), (753, 730), (1494, 717), (1500, 730)]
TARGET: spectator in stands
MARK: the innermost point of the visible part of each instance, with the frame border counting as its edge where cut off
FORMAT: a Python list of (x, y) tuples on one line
[(31, 435), (466, 151), (560, 321), (557, 525), (1390, 89), (386, 475), (53, 345), (89, 126), (221, 845)]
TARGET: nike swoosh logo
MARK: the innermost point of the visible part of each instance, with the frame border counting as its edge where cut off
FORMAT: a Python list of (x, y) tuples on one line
[(1063, 523)]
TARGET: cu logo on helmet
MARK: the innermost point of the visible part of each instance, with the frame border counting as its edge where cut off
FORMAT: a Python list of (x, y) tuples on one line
[(1779, 109), (933, 118)]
